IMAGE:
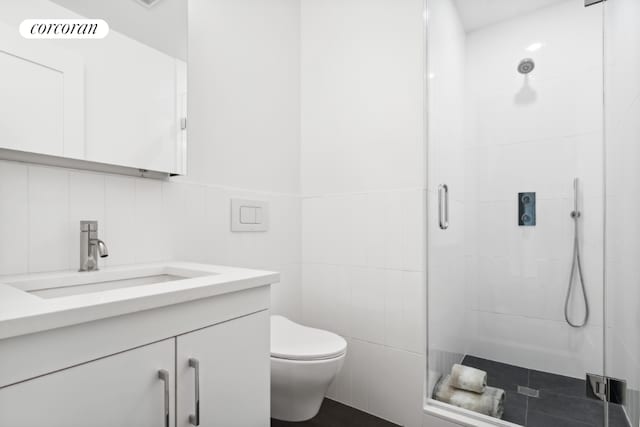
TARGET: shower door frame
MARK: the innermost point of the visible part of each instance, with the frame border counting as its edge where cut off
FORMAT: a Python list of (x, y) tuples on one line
[(448, 413)]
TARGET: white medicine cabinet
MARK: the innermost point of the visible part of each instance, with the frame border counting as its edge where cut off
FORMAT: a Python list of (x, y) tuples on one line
[(118, 101)]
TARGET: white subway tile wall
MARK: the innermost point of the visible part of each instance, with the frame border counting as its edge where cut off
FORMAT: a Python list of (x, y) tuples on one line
[(119, 204), (14, 211), (534, 134), (363, 207), (141, 221), (48, 234)]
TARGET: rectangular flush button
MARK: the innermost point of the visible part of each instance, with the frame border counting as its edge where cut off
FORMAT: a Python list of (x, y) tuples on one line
[(247, 215)]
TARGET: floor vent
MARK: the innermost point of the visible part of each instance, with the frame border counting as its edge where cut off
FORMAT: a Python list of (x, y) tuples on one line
[(529, 392)]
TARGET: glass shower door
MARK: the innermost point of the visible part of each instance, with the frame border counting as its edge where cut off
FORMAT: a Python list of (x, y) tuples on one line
[(516, 209), (622, 136)]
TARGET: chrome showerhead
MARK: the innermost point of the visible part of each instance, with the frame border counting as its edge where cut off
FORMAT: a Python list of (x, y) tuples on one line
[(526, 66)]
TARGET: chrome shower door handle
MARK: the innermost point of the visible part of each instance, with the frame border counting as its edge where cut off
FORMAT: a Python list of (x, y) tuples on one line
[(195, 419), (164, 376), (443, 206)]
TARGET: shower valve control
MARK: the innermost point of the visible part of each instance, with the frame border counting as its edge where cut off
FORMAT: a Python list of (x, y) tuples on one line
[(527, 209)]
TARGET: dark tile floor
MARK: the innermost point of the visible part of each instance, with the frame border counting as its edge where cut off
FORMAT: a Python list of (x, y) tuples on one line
[(561, 401), (334, 414)]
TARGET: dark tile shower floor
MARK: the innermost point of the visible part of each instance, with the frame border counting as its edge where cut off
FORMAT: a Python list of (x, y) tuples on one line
[(561, 401)]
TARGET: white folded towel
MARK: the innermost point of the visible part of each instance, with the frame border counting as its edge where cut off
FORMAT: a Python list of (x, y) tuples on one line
[(491, 402), (468, 378)]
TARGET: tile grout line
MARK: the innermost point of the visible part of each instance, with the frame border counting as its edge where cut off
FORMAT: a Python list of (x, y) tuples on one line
[(526, 406), (29, 226)]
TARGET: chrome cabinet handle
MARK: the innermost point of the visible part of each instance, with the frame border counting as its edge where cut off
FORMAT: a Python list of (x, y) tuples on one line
[(164, 376), (195, 364), (443, 206)]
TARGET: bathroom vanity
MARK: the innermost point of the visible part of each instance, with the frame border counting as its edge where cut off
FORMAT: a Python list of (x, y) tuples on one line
[(171, 344)]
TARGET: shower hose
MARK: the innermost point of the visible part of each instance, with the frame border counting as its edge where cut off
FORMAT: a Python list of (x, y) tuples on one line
[(576, 265)]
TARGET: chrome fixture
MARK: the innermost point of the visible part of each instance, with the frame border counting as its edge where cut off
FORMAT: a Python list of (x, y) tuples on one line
[(163, 374), (443, 206), (526, 66), (194, 419), (576, 263), (607, 389), (90, 246)]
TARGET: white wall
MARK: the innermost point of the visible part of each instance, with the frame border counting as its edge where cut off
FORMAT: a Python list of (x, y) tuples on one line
[(244, 59), (534, 134), (249, 151), (157, 26), (244, 113), (623, 185), (363, 167)]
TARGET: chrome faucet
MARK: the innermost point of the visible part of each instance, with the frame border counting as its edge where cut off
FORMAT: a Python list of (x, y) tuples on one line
[(90, 246)]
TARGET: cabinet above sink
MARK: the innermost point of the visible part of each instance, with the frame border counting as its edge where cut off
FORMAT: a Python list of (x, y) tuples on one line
[(117, 104)]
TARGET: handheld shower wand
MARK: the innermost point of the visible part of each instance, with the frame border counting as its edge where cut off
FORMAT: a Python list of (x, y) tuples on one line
[(576, 264)]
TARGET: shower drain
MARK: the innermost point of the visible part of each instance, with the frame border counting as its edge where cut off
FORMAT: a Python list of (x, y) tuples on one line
[(530, 392)]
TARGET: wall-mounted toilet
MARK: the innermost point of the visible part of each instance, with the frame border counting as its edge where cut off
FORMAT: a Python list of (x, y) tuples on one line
[(304, 361)]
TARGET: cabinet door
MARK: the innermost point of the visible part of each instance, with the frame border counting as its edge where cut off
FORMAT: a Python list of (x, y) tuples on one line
[(120, 390), (234, 374), (41, 97)]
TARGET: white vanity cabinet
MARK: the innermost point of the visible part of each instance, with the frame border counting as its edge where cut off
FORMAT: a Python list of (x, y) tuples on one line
[(229, 372), (105, 372), (230, 386), (119, 390)]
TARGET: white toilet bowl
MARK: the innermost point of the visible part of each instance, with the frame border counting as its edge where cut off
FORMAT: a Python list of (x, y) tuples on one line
[(304, 361)]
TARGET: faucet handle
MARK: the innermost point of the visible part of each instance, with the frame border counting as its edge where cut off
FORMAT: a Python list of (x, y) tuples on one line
[(88, 225)]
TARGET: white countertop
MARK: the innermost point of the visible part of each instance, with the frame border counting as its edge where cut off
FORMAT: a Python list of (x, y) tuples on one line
[(23, 313)]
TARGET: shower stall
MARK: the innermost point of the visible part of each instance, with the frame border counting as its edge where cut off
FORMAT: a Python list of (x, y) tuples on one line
[(533, 243)]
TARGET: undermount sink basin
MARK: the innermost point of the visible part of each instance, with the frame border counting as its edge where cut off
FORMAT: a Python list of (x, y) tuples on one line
[(88, 288), (69, 284)]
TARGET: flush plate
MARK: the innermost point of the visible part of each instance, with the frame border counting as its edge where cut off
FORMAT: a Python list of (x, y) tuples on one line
[(249, 215)]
